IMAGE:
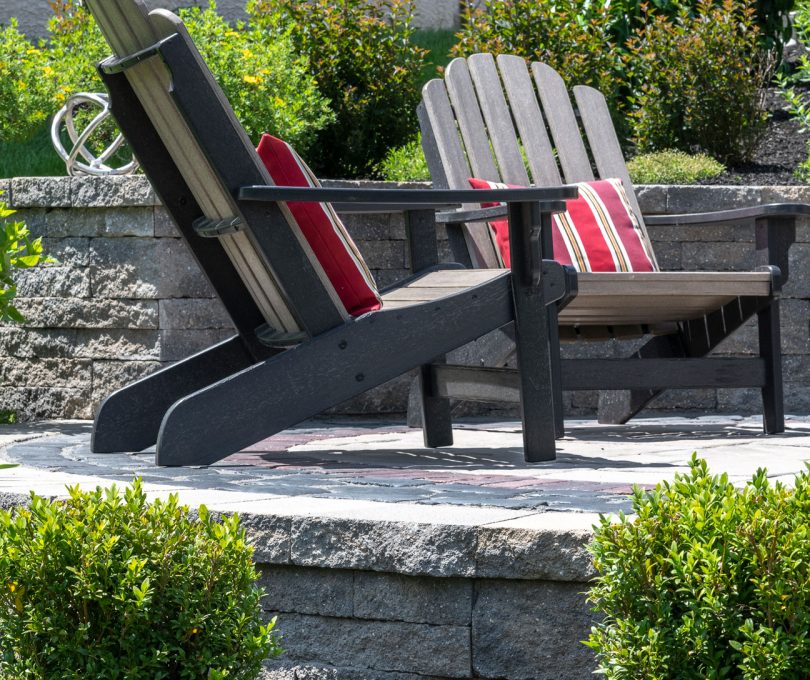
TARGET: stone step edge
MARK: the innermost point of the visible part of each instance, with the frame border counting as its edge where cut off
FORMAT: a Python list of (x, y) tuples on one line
[(549, 546)]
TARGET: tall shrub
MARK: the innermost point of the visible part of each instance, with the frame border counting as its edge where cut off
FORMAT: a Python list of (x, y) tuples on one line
[(771, 16), (25, 85), (364, 58), (267, 83), (572, 36), (696, 81), (108, 586), (706, 581)]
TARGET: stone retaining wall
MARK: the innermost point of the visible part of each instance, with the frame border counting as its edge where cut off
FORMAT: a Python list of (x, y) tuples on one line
[(377, 600), (127, 298)]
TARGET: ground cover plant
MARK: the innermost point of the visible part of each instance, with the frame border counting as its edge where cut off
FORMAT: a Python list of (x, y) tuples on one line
[(672, 167), (707, 581), (106, 585), (18, 251)]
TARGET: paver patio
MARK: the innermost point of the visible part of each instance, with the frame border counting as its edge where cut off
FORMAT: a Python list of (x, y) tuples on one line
[(326, 464)]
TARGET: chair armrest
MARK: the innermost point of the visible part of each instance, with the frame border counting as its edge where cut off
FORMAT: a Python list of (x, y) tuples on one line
[(734, 215), (548, 197), (775, 228), (473, 215)]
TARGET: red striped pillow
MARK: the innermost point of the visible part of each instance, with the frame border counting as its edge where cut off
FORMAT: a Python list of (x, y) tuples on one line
[(598, 231), (327, 236)]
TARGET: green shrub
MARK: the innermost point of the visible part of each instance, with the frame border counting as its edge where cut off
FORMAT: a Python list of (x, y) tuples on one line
[(17, 251), (707, 581), (696, 82), (772, 18), (672, 167), (572, 36), (405, 163), (267, 83), (365, 60), (25, 94), (105, 585)]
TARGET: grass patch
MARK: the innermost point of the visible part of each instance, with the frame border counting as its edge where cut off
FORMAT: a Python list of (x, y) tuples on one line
[(437, 43), (672, 167), (8, 417), (33, 158)]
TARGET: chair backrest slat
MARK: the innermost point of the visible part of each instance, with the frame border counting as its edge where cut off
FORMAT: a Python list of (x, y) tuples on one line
[(605, 147), (448, 165), (471, 123), (529, 120), (489, 89), (562, 123)]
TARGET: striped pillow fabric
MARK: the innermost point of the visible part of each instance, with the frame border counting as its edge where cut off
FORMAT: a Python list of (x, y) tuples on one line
[(598, 232), (322, 228)]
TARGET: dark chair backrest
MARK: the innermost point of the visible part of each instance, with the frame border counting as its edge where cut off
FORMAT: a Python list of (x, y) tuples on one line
[(211, 151)]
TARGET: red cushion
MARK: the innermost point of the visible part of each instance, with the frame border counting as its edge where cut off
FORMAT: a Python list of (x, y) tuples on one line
[(598, 232), (327, 236)]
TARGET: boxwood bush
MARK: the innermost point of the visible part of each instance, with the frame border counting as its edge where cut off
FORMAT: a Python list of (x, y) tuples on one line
[(106, 585), (672, 167), (706, 581)]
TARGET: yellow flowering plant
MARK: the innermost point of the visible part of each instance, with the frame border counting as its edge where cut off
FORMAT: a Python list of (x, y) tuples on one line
[(24, 85), (267, 83)]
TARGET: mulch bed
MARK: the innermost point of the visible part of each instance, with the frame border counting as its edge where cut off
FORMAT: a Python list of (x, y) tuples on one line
[(781, 150)]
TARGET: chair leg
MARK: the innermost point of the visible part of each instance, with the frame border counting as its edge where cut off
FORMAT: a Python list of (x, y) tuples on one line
[(437, 424), (129, 419), (279, 392), (533, 335), (770, 350), (556, 373), (536, 389)]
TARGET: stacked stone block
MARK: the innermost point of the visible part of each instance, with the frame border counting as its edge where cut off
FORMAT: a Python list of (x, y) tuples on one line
[(383, 600), (127, 297)]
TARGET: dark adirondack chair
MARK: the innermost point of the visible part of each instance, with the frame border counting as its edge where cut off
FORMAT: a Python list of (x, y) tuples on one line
[(500, 120), (296, 351)]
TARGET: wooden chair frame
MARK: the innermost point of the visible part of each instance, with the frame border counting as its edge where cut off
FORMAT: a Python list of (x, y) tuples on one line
[(499, 120)]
